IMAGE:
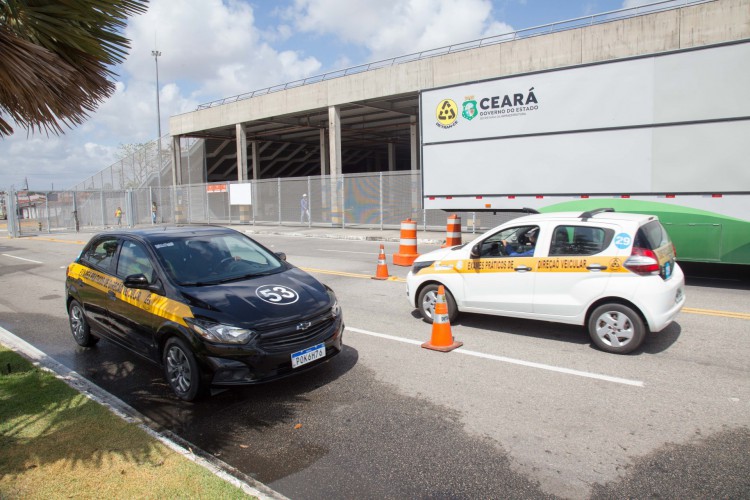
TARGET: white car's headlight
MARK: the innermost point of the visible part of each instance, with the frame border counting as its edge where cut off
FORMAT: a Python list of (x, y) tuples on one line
[(418, 266), (220, 333)]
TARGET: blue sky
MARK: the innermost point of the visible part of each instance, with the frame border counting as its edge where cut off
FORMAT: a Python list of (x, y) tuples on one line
[(213, 49)]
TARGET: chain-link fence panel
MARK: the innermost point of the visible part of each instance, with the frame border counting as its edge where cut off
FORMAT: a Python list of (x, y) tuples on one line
[(374, 200), (320, 200), (402, 198), (217, 203), (267, 201), (362, 200), (295, 201)]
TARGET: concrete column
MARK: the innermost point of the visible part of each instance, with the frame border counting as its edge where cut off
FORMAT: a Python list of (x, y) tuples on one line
[(324, 171), (334, 142), (255, 159), (176, 161), (323, 153), (414, 143), (179, 216), (391, 157), (256, 174), (415, 178), (242, 167), (241, 153)]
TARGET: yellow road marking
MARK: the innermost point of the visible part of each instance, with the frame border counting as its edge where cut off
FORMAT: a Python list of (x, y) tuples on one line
[(711, 312), (349, 275), (77, 242)]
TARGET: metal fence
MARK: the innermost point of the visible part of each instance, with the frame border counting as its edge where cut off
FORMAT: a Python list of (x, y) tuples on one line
[(376, 201)]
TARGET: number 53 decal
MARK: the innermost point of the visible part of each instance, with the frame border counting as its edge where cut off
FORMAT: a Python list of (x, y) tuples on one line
[(277, 294)]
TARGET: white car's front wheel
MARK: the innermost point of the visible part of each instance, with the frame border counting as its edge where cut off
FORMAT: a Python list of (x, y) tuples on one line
[(427, 299), (616, 328)]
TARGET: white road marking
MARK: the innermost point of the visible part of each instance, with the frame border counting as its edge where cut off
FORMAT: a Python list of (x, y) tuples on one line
[(21, 258), (503, 359), (346, 251)]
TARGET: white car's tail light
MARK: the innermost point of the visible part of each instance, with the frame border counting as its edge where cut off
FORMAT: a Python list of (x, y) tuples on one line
[(643, 261)]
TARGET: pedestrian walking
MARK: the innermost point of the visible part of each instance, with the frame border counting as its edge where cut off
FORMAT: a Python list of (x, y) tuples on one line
[(153, 212), (118, 216), (304, 209)]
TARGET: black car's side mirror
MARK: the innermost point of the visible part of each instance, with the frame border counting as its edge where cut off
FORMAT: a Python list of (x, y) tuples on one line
[(281, 255), (476, 251), (140, 282)]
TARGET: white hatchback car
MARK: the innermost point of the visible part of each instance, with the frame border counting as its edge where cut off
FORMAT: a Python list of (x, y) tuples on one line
[(613, 272)]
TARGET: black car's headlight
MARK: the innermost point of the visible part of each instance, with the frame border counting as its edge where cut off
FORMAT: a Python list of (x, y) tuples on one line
[(335, 307), (418, 266), (220, 333)]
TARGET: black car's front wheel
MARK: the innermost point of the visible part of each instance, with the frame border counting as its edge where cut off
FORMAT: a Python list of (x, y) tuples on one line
[(79, 327), (182, 371)]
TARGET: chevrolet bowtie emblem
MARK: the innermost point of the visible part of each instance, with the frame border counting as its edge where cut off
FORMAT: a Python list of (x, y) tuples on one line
[(304, 326)]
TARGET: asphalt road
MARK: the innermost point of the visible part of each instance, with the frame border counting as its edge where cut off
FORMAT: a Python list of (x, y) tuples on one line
[(525, 409)]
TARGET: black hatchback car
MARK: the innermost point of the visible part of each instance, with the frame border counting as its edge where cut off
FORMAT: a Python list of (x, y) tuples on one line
[(211, 305)]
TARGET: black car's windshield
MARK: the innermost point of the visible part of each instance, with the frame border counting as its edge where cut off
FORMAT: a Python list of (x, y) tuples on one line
[(215, 258)]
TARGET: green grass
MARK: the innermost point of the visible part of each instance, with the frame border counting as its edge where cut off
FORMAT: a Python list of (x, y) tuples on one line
[(57, 443)]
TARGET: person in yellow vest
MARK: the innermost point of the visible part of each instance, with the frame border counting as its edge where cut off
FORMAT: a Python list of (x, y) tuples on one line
[(118, 216)]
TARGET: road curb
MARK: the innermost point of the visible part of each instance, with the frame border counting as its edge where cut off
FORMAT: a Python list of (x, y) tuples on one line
[(133, 416), (334, 236)]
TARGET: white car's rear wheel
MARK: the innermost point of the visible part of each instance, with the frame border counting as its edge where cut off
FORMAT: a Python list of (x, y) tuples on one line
[(616, 328)]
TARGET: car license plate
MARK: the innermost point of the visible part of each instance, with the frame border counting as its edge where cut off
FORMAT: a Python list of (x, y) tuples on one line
[(308, 355)]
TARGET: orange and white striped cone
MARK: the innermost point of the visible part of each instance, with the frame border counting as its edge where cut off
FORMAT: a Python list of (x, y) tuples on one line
[(381, 273), (442, 338), (453, 231), (407, 249)]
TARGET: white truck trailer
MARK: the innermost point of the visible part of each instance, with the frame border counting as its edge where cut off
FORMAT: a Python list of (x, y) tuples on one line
[(666, 134)]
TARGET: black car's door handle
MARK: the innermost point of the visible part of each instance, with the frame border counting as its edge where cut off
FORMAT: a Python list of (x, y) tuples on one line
[(596, 267), (522, 269), (111, 295)]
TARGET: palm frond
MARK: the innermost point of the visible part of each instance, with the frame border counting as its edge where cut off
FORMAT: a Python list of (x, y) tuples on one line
[(55, 59)]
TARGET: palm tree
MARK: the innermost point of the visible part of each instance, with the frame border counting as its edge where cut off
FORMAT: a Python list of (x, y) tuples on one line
[(56, 58)]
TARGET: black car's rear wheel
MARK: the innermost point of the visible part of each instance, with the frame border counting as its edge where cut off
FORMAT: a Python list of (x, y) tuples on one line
[(79, 327), (182, 371)]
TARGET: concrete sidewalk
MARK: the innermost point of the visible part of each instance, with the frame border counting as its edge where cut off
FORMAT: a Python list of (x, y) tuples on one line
[(349, 233), (431, 237)]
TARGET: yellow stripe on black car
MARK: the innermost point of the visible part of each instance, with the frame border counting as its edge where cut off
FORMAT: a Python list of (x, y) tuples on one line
[(153, 303)]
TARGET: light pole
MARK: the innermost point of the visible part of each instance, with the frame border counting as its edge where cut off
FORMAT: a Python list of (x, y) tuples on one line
[(156, 55)]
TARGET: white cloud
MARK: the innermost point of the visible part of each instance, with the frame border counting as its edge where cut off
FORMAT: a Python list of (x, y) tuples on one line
[(209, 49), (390, 28), (628, 4)]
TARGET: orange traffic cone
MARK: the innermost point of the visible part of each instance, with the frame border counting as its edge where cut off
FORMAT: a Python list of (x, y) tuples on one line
[(453, 231), (442, 338), (381, 273), (407, 250)]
